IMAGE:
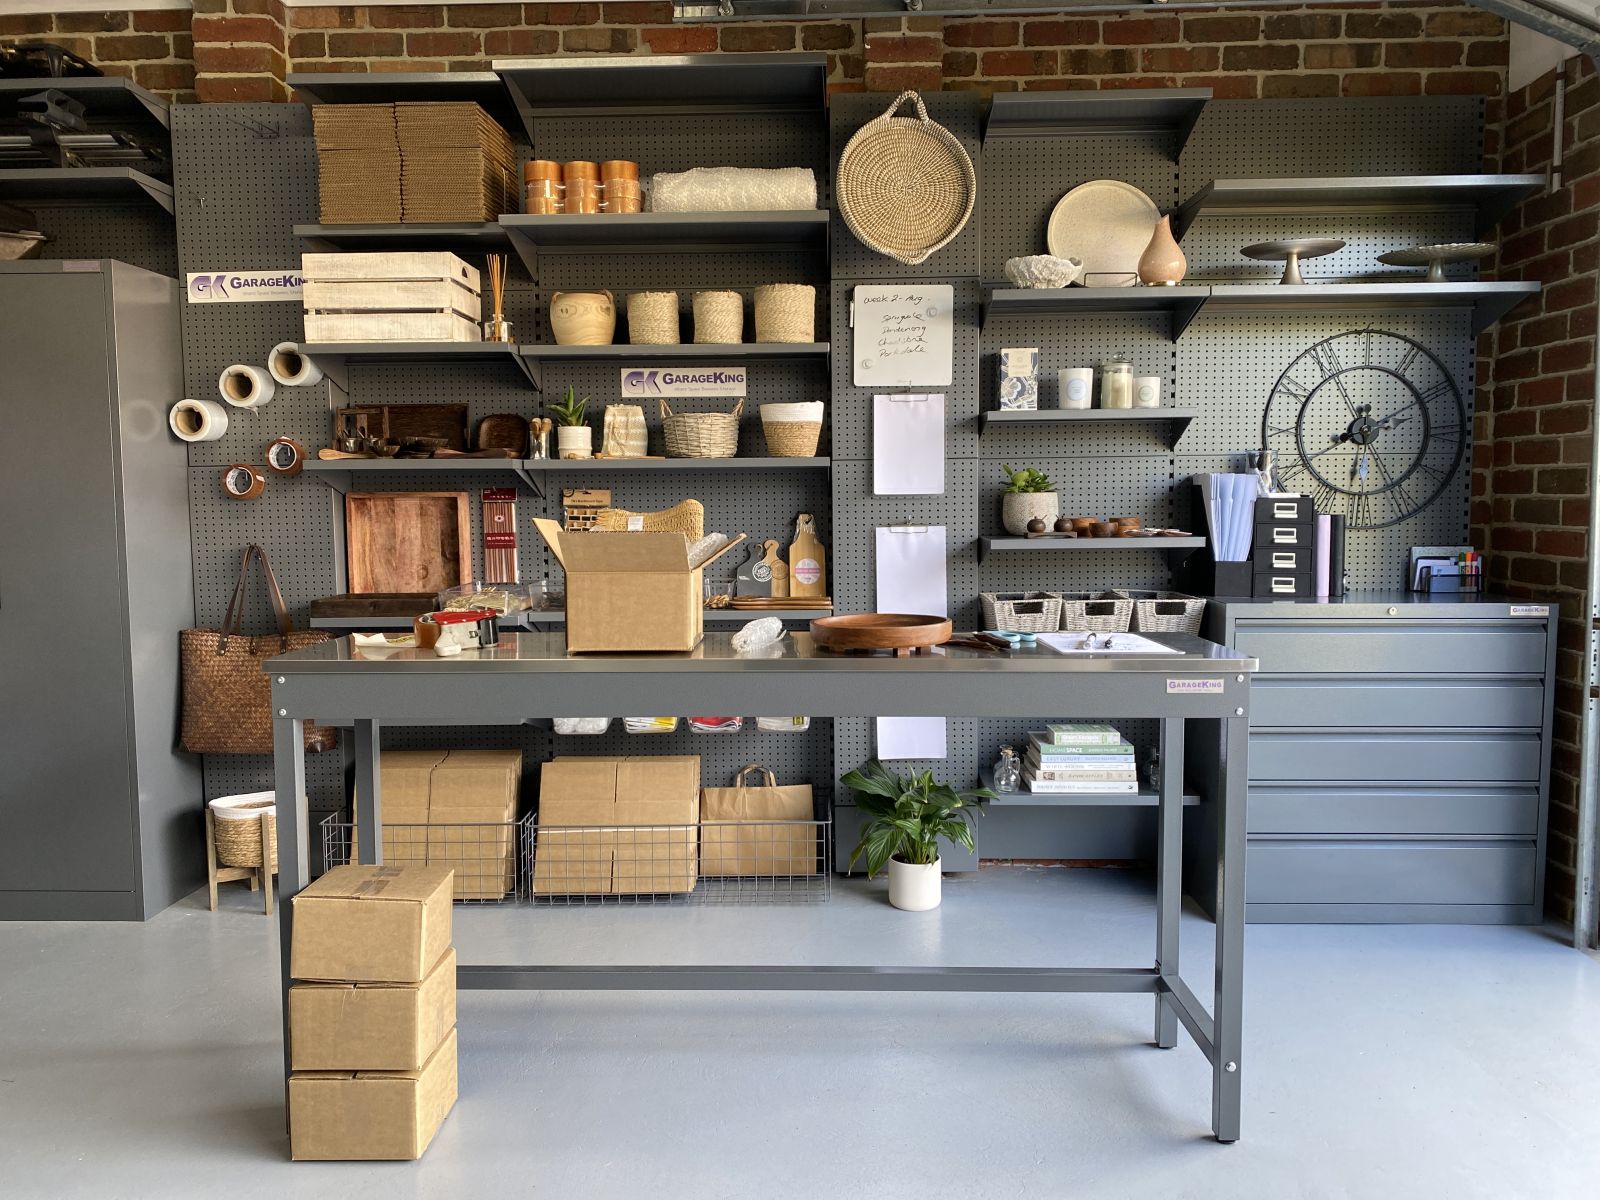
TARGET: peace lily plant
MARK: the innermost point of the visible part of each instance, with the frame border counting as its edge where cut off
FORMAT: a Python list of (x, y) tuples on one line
[(908, 815)]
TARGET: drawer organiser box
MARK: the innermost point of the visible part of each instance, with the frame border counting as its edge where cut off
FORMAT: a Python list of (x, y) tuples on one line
[(391, 296)]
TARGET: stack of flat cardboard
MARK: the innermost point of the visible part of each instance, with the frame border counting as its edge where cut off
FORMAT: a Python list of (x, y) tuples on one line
[(456, 163), (358, 162), (618, 826), (372, 1013)]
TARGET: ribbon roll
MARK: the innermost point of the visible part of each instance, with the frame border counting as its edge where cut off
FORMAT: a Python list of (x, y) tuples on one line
[(292, 368), (245, 386), (198, 420), (285, 456), (243, 482)]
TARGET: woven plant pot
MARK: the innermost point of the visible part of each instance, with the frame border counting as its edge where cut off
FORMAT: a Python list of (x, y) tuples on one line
[(786, 312), (237, 824), (653, 319), (792, 430), (701, 435), (718, 318)]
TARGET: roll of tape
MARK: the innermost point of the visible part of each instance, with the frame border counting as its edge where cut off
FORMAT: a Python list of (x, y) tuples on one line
[(285, 456), (243, 482), (198, 420), (244, 386), (291, 368)]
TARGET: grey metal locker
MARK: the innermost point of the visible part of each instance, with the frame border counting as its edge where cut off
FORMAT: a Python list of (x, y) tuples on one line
[(100, 814)]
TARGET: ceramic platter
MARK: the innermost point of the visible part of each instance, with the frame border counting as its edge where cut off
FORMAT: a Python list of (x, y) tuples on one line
[(1106, 224), (1435, 258)]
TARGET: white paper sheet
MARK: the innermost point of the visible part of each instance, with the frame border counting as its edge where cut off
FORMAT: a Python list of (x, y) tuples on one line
[(903, 335), (908, 445), (913, 577), (1123, 643), (912, 737)]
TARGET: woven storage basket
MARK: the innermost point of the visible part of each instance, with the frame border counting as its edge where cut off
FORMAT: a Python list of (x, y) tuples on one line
[(237, 820), (718, 318), (653, 319), (792, 430), (1102, 612), (1021, 612), (1165, 612), (905, 184), (786, 312), (687, 517), (701, 435)]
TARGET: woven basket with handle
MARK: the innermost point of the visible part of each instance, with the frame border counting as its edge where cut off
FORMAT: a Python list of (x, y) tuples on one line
[(906, 185), (701, 435)]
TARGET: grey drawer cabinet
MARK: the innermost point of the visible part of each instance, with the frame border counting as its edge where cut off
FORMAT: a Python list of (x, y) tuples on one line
[(1399, 758)]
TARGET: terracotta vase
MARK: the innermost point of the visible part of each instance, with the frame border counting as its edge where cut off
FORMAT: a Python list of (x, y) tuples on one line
[(1162, 264)]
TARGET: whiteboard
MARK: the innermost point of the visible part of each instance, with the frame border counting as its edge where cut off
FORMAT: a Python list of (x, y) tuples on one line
[(904, 335)]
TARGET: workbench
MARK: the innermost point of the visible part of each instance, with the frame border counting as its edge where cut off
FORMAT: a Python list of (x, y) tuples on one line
[(1205, 686)]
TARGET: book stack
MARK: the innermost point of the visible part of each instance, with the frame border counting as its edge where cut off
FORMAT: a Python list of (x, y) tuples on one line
[(1081, 759)]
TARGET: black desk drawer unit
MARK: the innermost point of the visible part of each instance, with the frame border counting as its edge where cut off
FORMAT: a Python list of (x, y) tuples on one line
[(1399, 758)]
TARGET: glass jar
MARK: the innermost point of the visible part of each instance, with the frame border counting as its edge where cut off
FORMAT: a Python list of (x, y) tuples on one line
[(1116, 383), (1007, 771)]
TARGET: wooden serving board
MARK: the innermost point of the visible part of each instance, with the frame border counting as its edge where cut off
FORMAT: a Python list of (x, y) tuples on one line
[(900, 632), (375, 604), (407, 541)]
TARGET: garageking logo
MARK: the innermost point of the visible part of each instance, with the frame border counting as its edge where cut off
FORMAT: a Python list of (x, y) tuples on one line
[(684, 381), (233, 287)]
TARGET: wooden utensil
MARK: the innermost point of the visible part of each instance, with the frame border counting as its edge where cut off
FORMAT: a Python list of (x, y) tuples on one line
[(407, 541), (772, 560)]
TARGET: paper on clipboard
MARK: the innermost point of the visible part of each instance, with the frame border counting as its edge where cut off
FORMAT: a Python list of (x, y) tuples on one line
[(912, 737), (908, 445), (903, 335), (913, 577)]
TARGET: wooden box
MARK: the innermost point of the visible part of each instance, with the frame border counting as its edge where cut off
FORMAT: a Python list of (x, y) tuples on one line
[(399, 296), (407, 541)]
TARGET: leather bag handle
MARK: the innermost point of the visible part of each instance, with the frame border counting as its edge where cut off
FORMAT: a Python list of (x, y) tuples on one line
[(233, 620)]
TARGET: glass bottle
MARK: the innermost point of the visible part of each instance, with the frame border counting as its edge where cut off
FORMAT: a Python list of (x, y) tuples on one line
[(1007, 771), (1116, 384)]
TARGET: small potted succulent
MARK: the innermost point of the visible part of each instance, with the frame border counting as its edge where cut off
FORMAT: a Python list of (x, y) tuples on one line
[(574, 438), (1030, 496), (907, 815)]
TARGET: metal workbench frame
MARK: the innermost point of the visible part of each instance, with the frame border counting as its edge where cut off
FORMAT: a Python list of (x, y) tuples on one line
[(1207, 687)]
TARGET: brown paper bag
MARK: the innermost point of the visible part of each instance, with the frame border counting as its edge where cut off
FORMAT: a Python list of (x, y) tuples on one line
[(739, 833)]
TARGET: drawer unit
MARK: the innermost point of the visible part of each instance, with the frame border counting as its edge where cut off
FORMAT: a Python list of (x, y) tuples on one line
[(1285, 510), (1510, 811), (1433, 756), (1466, 702), (1397, 872), (1395, 647), (1287, 584), (1274, 536), (1280, 559)]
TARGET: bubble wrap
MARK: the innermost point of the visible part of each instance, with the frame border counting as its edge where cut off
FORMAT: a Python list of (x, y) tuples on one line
[(734, 189)]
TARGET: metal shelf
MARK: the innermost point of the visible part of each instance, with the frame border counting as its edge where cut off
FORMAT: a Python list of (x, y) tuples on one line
[(1175, 419), (333, 357), (1157, 110), (559, 617), (1488, 197), (106, 100), (1143, 798), (633, 232), (1023, 545), (361, 87), (535, 356), (420, 235), (751, 463), (1183, 302), (82, 185), (1488, 301)]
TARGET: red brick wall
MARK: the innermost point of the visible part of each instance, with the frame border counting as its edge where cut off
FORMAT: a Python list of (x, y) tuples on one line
[(154, 48), (1534, 424)]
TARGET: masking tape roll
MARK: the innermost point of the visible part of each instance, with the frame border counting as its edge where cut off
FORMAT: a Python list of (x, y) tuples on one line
[(242, 481), (198, 420), (285, 456), (245, 386), (292, 368)]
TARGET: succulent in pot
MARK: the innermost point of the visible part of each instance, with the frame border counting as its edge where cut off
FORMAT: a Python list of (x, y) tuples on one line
[(907, 816), (1029, 496), (574, 438)]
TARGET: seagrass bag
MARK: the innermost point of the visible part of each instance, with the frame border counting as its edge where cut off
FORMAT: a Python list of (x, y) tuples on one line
[(227, 692)]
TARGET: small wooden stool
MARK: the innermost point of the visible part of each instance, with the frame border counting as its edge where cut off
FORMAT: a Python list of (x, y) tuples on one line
[(257, 877)]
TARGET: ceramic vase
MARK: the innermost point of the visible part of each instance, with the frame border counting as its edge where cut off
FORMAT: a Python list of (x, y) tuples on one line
[(1162, 264), (583, 318), (914, 887), (1018, 508), (574, 441)]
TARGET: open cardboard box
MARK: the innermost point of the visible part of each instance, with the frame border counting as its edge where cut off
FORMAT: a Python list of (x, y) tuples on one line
[(630, 591)]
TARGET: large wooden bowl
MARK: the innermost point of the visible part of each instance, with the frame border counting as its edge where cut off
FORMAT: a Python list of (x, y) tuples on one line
[(880, 631)]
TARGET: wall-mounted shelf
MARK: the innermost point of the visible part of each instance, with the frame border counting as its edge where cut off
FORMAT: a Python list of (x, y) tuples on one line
[(1488, 197), (361, 87), (632, 233), (1183, 302), (751, 463), (1135, 110), (1176, 420), (1143, 798), (337, 473), (1487, 301), (107, 100), (466, 237), (82, 185), (333, 357), (1024, 545), (695, 352), (523, 620)]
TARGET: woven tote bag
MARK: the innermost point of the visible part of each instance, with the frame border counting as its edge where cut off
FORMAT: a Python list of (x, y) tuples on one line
[(906, 185), (227, 692)]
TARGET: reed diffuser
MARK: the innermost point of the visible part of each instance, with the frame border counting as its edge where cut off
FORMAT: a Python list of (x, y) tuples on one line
[(497, 328)]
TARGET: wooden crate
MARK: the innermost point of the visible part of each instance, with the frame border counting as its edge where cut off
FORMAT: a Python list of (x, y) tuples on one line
[(404, 296)]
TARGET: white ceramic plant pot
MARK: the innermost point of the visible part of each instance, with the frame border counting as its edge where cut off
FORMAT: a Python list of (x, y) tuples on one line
[(574, 441), (1018, 508), (915, 888)]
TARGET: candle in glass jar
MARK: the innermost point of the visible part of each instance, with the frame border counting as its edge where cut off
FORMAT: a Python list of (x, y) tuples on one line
[(1116, 384)]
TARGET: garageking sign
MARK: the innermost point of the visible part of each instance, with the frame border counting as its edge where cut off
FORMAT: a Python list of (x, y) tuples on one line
[(240, 287), (684, 381)]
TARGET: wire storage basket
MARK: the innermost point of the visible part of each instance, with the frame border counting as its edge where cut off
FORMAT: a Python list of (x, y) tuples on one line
[(1021, 612), (701, 435), (1165, 612), (709, 862), (1101, 612), (488, 858)]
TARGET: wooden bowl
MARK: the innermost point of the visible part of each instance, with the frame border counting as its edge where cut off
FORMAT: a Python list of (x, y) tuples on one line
[(1104, 529), (1084, 526), (880, 631), (1124, 524)]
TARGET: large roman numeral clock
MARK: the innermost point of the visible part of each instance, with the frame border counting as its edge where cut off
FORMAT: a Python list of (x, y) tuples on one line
[(1369, 424)]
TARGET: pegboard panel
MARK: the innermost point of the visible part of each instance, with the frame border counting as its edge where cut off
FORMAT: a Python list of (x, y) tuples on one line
[(140, 233), (956, 111), (684, 271)]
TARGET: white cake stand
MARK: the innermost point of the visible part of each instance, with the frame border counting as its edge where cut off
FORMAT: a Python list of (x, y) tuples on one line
[(1436, 258), (1290, 253)]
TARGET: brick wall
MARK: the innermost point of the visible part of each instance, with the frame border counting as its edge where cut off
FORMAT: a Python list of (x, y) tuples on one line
[(1534, 424), (154, 48)]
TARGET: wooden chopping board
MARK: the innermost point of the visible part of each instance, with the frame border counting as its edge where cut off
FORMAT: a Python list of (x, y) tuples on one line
[(407, 541)]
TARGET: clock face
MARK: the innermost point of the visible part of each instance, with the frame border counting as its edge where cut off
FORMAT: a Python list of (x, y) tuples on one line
[(1369, 424)]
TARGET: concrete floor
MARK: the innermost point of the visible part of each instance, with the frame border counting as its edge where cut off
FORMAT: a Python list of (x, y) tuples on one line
[(1403, 1061)]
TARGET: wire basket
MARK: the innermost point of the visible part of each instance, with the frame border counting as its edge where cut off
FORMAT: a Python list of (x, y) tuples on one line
[(786, 312), (1165, 612), (711, 862), (718, 318), (1102, 612), (488, 858), (701, 435), (1021, 612), (653, 319)]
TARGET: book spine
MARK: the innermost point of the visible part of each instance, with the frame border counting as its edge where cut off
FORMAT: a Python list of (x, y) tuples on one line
[(1084, 789), (1085, 777), (1085, 739)]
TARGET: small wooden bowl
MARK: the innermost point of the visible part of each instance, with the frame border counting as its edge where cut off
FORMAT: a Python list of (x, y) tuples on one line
[(1124, 524), (1105, 529), (1084, 526), (900, 632)]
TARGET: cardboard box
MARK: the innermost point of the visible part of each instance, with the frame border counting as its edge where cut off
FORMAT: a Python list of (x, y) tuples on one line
[(629, 591), (362, 1115), (365, 924), (372, 1026), (617, 801)]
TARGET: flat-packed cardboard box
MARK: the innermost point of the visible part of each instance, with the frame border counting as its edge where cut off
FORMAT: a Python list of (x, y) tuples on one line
[(366, 924), (372, 1026), (617, 800), (630, 591), (363, 1115)]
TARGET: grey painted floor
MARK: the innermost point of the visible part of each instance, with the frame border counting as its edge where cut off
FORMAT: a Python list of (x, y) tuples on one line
[(1406, 1061)]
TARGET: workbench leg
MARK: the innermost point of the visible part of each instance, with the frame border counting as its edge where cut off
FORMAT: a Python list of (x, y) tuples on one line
[(294, 859), (1169, 872), (1227, 1066), (369, 800)]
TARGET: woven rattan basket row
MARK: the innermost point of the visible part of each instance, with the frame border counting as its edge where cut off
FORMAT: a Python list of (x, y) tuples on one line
[(1103, 612)]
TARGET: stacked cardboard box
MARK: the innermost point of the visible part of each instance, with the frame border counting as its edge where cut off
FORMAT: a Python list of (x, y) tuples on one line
[(456, 163), (618, 826), (358, 163), (372, 1013)]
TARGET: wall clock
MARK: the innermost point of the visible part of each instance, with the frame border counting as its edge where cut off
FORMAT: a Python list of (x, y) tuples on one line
[(1369, 424)]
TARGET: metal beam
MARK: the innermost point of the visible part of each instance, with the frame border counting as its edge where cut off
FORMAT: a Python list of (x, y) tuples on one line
[(809, 979)]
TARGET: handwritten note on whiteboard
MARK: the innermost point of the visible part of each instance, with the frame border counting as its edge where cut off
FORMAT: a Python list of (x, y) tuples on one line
[(904, 335)]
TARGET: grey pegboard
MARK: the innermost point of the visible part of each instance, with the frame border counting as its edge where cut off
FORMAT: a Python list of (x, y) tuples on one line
[(139, 233)]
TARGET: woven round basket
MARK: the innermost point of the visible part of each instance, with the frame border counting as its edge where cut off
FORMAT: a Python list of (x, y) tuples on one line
[(687, 517), (792, 430), (786, 312), (906, 185), (701, 435), (653, 319), (718, 318), (236, 823)]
